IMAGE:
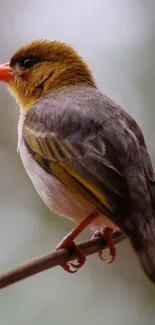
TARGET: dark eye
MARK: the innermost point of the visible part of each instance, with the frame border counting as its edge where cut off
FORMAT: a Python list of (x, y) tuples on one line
[(28, 63)]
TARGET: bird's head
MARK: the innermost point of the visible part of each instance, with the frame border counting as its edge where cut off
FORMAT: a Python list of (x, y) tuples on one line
[(39, 68)]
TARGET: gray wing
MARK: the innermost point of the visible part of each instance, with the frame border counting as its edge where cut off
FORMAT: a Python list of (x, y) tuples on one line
[(89, 145)]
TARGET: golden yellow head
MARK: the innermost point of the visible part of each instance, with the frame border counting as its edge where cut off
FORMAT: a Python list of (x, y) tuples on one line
[(39, 68)]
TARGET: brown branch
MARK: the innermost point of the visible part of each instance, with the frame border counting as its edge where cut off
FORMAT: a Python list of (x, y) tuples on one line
[(50, 260)]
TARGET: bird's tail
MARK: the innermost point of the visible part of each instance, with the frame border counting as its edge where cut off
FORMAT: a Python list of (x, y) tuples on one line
[(144, 245)]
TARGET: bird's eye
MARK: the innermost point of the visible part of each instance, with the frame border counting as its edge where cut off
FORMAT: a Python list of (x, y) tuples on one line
[(28, 63)]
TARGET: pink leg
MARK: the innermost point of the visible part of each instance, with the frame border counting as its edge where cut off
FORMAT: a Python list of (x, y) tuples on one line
[(106, 233), (68, 242)]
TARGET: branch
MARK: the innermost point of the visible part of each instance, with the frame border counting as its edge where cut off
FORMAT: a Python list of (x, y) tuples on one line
[(58, 257)]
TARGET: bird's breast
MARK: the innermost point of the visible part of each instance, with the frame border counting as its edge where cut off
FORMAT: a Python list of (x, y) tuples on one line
[(55, 195)]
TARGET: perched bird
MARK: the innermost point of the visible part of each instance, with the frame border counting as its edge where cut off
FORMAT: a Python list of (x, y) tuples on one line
[(86, 157)]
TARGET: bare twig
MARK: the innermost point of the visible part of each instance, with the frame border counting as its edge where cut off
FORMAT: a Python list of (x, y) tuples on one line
[(50, 260)]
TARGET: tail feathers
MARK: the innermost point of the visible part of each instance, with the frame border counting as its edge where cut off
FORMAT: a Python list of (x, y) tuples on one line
[(144, 245)]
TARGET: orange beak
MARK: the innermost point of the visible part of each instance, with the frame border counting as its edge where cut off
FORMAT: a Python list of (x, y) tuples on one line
[(6, 72)]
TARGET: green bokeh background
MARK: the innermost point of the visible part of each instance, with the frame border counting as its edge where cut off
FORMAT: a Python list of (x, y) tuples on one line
[(117, 38)]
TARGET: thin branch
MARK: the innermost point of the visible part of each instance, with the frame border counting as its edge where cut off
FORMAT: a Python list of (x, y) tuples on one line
[(50, 260)]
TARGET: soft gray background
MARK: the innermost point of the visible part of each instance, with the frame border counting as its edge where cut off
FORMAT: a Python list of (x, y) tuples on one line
[(117, 38)]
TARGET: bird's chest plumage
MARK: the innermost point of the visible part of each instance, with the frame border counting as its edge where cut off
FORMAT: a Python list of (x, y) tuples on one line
[(54, 194)]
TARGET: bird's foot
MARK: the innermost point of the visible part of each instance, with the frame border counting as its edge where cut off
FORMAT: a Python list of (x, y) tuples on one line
[(106, 233), (69, 244)]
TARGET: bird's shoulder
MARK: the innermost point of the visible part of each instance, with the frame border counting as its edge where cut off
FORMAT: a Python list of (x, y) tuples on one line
[(81, 114)]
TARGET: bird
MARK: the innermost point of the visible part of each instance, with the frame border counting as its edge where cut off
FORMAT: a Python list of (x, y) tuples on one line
[(85, 155)]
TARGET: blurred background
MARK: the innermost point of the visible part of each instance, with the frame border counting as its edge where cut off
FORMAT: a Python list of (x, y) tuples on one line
[(117, 39)]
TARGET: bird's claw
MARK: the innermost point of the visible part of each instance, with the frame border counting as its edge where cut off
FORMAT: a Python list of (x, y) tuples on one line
[(106, 233), (72, 267)]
